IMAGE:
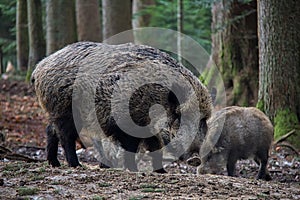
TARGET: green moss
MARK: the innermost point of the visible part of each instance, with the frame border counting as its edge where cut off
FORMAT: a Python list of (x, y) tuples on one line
[(28, 75), (152, 190), (239, 97), (202, 79), (237, 90), (36, 177), (137, 197), (97, 197), (260, 105), (104, 184), (148, 186), (13, 167), (23, 191), (285, 121)]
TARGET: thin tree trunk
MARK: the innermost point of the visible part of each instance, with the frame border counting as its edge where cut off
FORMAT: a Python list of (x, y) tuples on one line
[(139, 19), (279, 61), (88, 20), (179, 27), (22, 35), (1, 61), (36, 37), (61, 26), (117, 16)]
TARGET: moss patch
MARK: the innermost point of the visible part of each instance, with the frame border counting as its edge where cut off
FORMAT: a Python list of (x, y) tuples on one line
[(23, 191), (28, 76), (260, 105), (285, 121)]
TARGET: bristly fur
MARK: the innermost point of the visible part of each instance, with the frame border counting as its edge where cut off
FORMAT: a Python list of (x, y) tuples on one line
[(55, 76), (236, 133)]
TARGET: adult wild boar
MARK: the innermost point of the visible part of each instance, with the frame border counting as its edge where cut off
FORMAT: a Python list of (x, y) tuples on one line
[(117, 92)]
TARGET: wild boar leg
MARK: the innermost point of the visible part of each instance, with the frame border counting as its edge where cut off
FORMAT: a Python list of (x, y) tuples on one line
[(131, 146), (263, 172), (154, 146), (68, 139), (231, 165), (52, 146)]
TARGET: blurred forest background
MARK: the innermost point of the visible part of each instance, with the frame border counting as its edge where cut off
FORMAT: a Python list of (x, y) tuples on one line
[(255, 44)]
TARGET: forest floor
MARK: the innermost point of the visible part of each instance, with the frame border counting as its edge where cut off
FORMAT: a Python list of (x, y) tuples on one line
[(22, 130)]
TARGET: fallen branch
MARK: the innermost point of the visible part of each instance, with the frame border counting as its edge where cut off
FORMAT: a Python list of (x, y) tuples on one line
[(10, 155), (284, 137), (31, 147)]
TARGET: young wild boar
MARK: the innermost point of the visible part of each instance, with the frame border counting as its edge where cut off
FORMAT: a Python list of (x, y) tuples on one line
[(118, 80), (247, 133)]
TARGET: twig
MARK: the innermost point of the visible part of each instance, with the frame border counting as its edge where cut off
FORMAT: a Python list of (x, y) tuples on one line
[(4, 150)]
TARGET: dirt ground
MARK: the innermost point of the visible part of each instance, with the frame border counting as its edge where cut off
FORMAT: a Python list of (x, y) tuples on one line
[(22, 125)]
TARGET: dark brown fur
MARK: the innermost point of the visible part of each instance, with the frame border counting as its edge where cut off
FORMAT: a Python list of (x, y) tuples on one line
[(54, 81), (247, 133)]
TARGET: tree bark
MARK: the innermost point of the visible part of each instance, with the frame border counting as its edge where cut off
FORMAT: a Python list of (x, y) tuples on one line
[(117, 16), (1, 61), (235, 51), (279, 63), (88, 20), (22, 35), (61, 26), (36, 36)]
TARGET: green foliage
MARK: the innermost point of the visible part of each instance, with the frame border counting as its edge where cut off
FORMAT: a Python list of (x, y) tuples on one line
[(285, 121), (197, 22), (8, 30), (196, 18)]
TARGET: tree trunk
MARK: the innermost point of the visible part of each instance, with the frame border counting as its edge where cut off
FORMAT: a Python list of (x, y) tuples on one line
[(1, 60), (235, 51), (36, 36), (179, 27), (60, 20), (88, 20), (116, 17), (140, 19), (22, 35), (279, 61)]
